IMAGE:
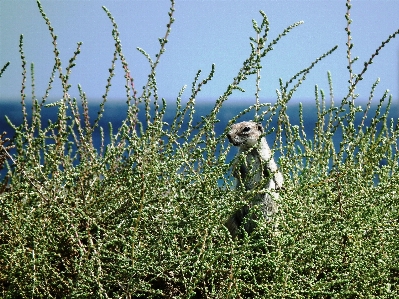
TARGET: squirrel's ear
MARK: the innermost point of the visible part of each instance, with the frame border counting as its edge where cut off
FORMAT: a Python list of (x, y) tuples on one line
[(260, 127)]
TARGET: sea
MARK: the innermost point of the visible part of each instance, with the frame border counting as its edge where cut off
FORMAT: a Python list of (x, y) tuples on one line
[(115, 112)]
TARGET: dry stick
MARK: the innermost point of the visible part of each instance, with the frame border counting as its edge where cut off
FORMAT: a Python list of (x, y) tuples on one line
[(4, 68), (163, 42), (349, 45), (44, 197), (257, 78), (29, 179)]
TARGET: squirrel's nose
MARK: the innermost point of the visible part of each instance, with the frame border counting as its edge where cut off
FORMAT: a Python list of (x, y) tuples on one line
[(229, 137)]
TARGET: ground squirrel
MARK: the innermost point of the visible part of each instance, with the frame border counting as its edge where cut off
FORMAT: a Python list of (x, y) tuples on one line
[(258, 165)]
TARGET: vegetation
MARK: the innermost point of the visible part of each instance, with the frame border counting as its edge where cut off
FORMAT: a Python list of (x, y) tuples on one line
[(143, 215)]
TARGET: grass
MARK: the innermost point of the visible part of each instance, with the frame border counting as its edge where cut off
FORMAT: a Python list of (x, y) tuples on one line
[(143, 215)]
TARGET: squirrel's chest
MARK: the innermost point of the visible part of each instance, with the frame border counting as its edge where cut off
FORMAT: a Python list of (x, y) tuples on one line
[(251, 170)]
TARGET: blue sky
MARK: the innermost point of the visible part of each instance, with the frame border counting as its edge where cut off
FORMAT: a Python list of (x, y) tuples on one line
[(204, 32)]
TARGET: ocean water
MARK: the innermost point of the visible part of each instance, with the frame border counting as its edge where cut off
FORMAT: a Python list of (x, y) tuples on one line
[(115, 113)]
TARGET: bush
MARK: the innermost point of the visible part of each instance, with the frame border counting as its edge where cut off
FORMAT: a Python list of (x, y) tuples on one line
[(143, 215)]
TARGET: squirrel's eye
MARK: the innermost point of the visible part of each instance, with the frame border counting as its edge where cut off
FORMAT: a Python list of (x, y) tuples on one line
[(246, 129)]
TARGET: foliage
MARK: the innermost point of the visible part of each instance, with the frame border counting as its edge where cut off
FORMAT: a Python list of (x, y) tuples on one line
[(143, 215)]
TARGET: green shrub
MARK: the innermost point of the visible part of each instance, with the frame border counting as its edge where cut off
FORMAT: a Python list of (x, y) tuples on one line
[(143, 215)]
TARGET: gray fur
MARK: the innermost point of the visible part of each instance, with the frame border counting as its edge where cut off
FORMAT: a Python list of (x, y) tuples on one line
[(258, 164)]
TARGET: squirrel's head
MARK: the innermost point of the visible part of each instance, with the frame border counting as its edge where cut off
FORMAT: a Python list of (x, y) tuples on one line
[(245, 134)]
